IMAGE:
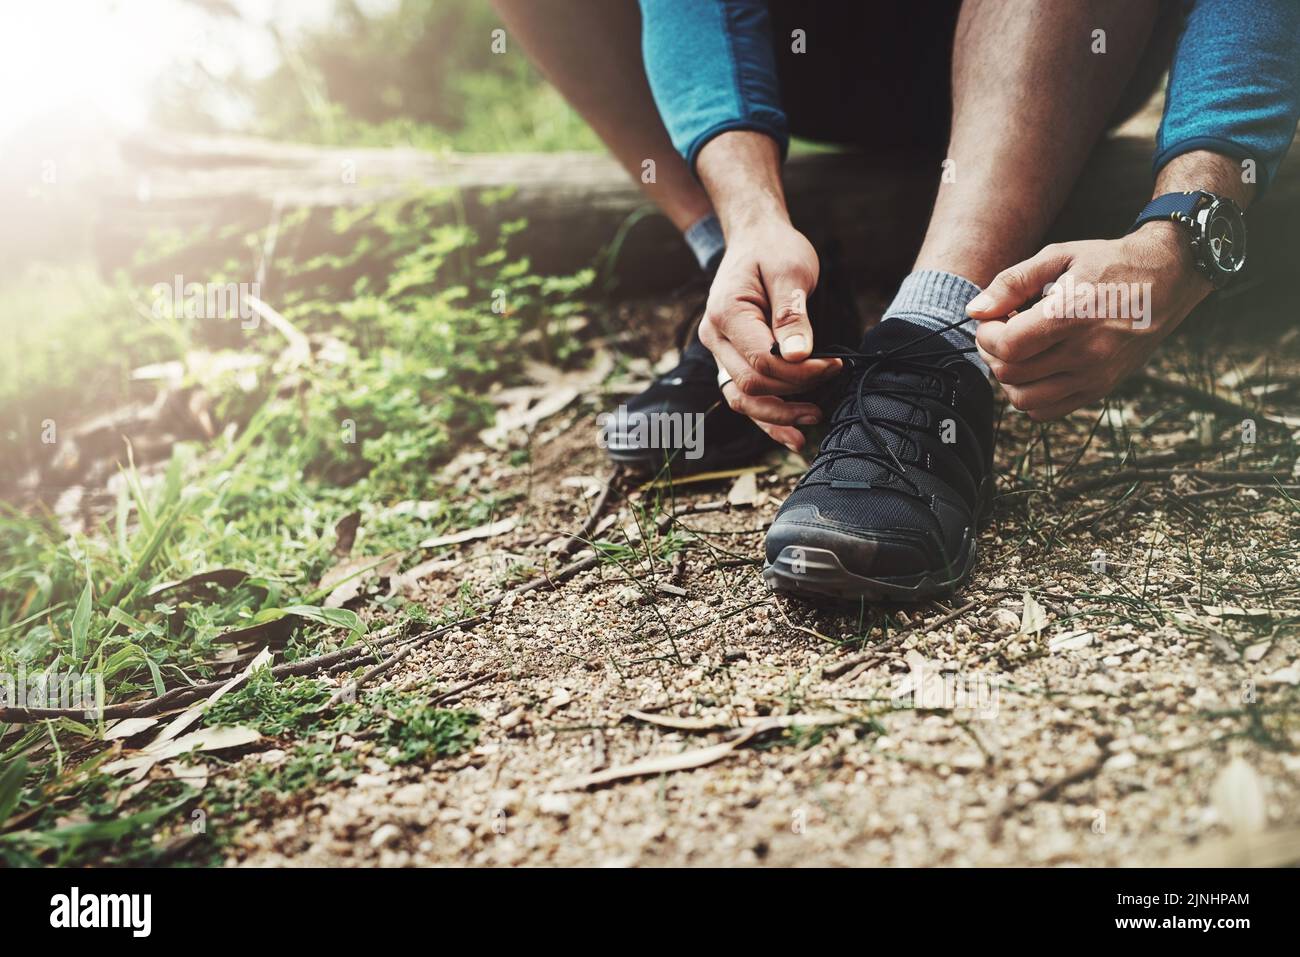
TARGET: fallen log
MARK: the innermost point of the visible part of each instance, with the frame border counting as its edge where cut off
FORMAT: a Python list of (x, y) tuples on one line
[(577, 203)]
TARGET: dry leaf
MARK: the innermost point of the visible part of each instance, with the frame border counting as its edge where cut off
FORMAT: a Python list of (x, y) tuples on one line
[(205, 739), (1033, 619), (128, 728), (195, 711), (529, 405), (1266, 849), (1238, 796), (794, 721), (1235, 611), (1073, 641), (195, 775), (274, 632), (345, 533), (678, 724), (590, 484), (404, 583), (1283, 676), (696, 478), (470, 534), (346, 579), (697, 758), (223, 577), (744, 491), (1258, 650)]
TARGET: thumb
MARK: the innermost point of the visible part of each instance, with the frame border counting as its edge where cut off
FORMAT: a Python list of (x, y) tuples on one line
[(1018, 284), (791, 326)]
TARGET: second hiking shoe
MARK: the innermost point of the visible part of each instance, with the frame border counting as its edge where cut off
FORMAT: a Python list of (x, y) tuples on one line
[(682, 424)]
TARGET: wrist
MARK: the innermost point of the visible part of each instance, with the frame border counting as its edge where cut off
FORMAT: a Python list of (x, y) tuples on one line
[(753, 215), (741, 171), (1170, 245), (1203, 170)]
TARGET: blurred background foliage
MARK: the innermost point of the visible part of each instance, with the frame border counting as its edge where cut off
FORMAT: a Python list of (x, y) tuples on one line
[(403, 72)]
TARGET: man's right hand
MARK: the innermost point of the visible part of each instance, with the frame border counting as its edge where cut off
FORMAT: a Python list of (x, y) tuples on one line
[(760, 294)]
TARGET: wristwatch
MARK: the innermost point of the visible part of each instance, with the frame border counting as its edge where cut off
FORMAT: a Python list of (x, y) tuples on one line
[(1215, 225)]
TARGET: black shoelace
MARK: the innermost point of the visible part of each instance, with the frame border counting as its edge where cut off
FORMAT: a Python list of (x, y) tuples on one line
[(867, 366)]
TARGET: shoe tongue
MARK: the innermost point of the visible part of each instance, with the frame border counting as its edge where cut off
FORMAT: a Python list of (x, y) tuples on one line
[(696, 351), (902, 336), (896, 334), (696, 363), (697, 358)]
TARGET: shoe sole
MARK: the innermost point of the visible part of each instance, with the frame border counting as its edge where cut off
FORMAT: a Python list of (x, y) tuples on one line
[(653, 461), (818, 573)]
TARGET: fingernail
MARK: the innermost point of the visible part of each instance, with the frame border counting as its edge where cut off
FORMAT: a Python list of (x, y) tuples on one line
[(980, 303), (793, 344), (807, 420)]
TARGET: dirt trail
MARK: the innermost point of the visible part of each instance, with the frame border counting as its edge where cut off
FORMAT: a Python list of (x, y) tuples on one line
[(1151, 716)]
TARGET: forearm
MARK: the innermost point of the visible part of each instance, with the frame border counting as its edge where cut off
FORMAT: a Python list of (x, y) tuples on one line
[(741, 171), (1212, 172)]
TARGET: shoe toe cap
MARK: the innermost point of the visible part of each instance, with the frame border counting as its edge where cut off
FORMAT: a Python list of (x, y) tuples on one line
[(876, 553)]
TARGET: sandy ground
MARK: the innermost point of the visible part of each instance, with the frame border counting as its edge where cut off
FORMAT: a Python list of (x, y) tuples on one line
[(1148, 715)]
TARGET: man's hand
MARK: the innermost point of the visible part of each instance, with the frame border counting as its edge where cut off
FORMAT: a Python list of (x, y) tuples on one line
[(1110, 303), (760, 294)]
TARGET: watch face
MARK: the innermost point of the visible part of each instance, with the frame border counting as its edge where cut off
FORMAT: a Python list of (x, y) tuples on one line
[(1225, 238)]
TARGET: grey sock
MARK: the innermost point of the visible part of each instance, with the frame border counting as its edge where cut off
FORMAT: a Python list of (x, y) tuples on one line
[(932, 298), (704, 236)]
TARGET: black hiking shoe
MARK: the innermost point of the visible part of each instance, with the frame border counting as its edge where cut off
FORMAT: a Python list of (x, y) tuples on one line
[(889, 508), (682, 424), (685, 405)]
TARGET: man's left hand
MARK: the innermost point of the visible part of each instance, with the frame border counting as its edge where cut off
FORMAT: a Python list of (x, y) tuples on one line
[(1110, 303)]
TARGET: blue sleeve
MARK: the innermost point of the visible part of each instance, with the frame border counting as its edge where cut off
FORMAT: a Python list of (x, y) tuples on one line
[(712, 69), (1234, 87)]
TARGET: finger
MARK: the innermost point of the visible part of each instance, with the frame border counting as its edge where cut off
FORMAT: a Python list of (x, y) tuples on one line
[(1062, 408), (1057, 358), (1043, 394), (1023, 336), (791, 438), (788, 294), (786, 435), (1020, 283), (764, 380), (753, 341), (737, 370), (770, 409)]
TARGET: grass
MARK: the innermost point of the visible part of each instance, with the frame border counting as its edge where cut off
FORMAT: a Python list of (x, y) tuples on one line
[(404, 310)]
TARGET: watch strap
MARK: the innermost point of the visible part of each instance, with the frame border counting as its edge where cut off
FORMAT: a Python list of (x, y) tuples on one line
[(1176, 206)]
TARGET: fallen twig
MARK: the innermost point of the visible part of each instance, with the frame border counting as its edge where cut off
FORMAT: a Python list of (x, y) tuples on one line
[(697, 757), (349, 689), (180, 697), (583, 535), (1211, 400), (1052, 788), (1160, 475), (881, 651), (460, 689), (563, 575)]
